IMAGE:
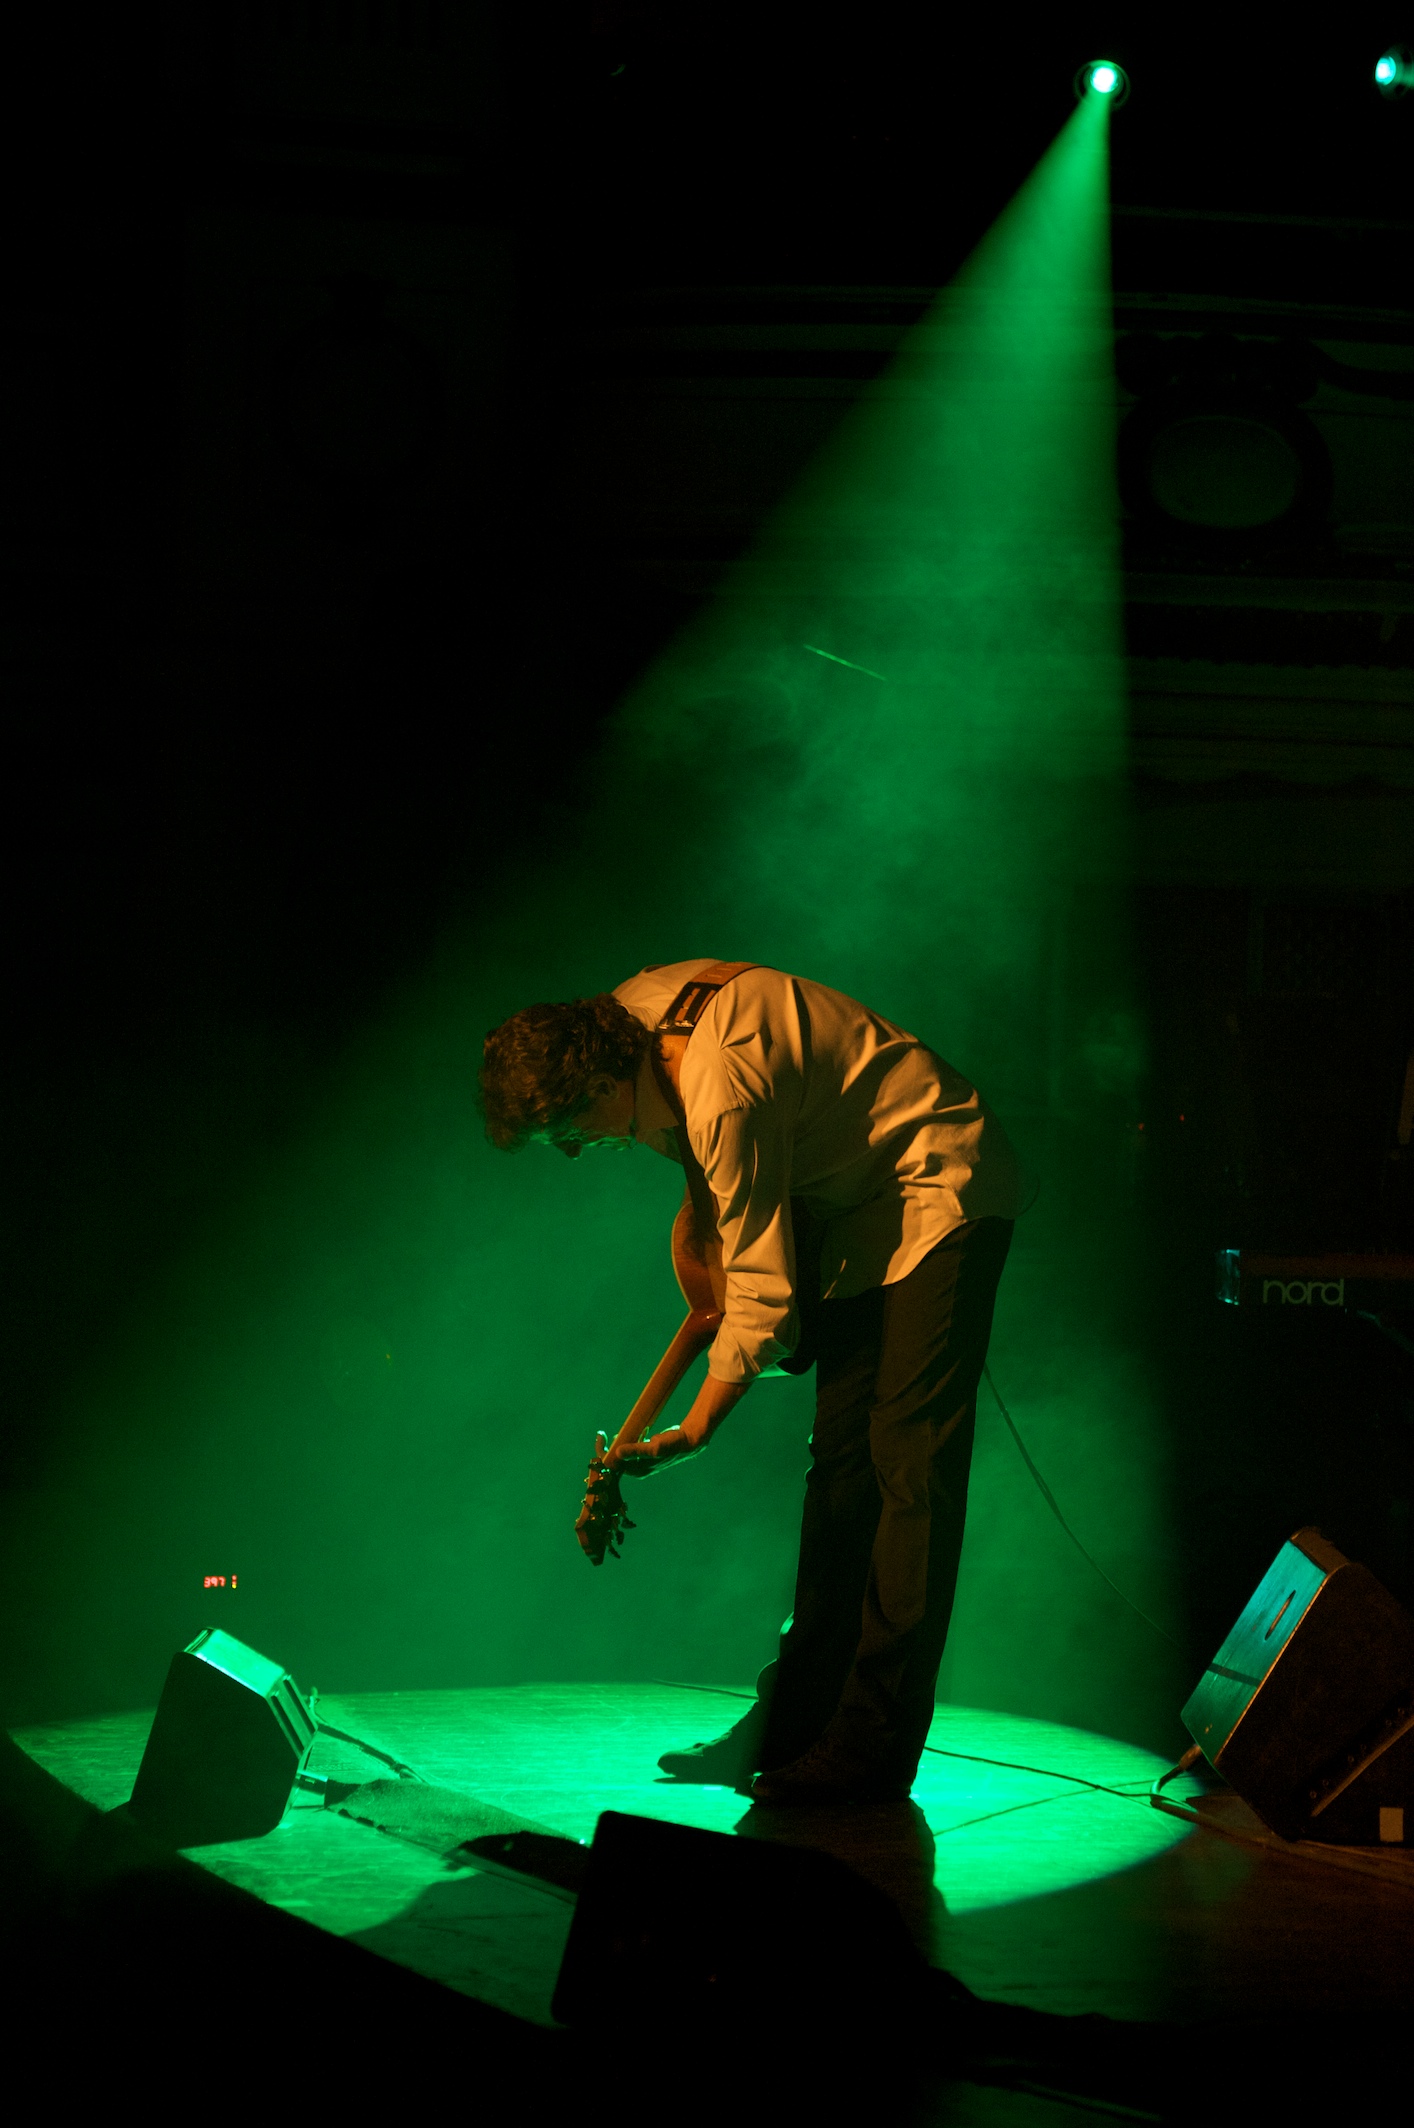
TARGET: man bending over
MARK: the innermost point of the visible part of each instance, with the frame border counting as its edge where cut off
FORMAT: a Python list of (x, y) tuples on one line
[(857, 1179)]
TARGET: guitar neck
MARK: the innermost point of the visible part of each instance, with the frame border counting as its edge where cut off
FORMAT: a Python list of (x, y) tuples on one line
[(695, 1334)]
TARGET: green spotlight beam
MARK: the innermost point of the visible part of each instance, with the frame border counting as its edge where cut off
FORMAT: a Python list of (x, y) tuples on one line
[(890, 756), (958, 537), (949, 841)]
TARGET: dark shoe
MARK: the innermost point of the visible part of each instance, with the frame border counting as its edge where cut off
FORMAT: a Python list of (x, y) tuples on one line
[(824, 1774), (726, 1761)]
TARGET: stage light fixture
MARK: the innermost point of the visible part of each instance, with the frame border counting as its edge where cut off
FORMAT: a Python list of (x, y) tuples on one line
[(1104, 78), (1394, 71)]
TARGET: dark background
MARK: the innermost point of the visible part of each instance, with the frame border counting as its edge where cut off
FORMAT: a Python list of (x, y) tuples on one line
[(310, 624)]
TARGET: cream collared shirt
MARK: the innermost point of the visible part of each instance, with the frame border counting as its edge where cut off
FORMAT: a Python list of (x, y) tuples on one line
[(790, 1089)]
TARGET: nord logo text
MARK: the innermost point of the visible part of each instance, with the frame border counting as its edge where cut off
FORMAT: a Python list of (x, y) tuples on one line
[(1305, 1292)]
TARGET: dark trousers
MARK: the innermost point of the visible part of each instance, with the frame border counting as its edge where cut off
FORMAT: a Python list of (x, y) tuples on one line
[(885, 1501)]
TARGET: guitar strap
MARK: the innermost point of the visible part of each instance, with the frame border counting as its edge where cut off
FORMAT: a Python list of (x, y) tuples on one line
[(682, 1017), (694, 997)]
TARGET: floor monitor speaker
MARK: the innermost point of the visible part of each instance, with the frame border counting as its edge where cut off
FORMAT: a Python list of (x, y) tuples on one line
[(230, 1733), (748, 1929), (1307, 1709)]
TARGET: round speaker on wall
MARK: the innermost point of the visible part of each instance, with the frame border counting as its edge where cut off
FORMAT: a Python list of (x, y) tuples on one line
[(1224, 464)]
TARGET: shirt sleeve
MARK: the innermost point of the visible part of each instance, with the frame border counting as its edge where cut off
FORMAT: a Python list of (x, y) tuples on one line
[(745, 1155)]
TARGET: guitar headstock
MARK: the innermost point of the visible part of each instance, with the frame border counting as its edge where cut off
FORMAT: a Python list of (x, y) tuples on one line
[(602, 1517)]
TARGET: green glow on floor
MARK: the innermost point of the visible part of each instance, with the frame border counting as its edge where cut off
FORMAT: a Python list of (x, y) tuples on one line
[(983, 1836)]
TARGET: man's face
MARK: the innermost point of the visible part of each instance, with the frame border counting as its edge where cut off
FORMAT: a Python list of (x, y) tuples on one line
[(608, 1120)]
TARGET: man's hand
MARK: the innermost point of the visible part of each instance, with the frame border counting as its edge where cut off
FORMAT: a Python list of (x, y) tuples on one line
[(710, 1406), (639, 1459)]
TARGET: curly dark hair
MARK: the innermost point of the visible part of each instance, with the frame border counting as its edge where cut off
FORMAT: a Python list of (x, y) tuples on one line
[(537, 1066)]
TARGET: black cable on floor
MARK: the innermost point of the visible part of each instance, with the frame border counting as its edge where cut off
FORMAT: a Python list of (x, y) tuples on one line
[(1296, 1851), (1046, 1773), (939, 1751), (404, 1773)]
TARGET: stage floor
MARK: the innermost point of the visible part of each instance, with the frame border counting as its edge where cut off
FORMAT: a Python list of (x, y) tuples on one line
[(1030, 1862)]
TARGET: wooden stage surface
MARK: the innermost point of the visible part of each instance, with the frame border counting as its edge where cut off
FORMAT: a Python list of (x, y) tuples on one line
[(1030, 1862)]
